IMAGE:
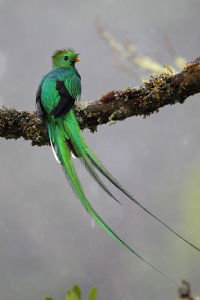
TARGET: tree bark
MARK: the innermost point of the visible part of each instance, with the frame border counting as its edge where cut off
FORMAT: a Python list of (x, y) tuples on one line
[(158, 91)]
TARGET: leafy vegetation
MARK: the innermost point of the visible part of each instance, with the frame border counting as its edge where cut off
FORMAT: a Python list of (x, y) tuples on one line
[(75, 294)]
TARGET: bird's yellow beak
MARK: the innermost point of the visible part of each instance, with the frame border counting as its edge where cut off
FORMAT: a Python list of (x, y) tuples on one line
[(77, 59)]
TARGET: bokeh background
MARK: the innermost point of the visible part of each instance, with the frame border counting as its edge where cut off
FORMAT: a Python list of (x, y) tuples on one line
[(48, 242)]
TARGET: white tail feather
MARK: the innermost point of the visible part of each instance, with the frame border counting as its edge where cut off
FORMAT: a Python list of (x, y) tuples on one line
[(54, 152)]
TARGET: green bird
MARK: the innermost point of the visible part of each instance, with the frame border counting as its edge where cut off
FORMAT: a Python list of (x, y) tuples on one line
[(57, 92)]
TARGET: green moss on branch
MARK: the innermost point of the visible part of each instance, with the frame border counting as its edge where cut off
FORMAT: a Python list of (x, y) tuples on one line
[(158, 91)]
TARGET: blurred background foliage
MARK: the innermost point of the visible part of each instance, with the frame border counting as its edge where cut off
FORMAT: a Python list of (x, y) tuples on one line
[(191, 192), (127, 52), (75, 294)]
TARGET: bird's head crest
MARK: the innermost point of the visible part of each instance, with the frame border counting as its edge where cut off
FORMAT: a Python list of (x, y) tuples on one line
[(64, 58)]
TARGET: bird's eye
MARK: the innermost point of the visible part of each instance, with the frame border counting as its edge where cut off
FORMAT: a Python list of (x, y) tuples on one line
[(66, 58)]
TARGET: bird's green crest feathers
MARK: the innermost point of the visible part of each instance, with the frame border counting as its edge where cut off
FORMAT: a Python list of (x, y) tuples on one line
[(64, 58)]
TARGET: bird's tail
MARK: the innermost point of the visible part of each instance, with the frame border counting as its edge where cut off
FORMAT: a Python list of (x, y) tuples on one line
[(66, 138), (79, 147), (100, 167)]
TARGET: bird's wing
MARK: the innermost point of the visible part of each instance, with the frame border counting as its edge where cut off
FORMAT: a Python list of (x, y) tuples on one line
[(39, 110), (69, 89), (73, 85), (66, 101)]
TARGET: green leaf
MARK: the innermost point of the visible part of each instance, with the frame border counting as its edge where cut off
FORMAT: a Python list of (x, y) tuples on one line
[(47, 298), (93, 294), (71, 295), (77, 290)]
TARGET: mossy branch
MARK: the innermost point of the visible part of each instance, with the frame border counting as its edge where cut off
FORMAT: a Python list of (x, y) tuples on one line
[(158, 91)]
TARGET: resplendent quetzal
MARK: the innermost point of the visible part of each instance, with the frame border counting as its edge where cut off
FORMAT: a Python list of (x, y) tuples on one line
[(57, 92)]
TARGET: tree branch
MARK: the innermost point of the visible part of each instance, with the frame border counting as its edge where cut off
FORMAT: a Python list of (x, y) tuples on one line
[(184, 291), (158, 91)]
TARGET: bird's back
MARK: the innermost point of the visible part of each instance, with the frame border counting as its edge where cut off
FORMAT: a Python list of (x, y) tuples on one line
[(49, 93)]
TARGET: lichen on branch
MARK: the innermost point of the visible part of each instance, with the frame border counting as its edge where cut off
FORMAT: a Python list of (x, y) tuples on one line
[(156, 92)]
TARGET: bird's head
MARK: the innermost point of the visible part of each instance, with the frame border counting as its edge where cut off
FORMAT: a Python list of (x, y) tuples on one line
[(64, 58)]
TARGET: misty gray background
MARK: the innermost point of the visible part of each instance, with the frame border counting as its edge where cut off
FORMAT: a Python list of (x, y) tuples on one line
[(48, 242)]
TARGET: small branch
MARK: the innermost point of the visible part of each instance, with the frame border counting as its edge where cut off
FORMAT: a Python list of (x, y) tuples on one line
[(158, 91), (127, 51), (184, 292)]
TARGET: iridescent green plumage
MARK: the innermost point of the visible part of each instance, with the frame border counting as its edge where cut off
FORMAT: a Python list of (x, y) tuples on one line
[(56, 95)]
